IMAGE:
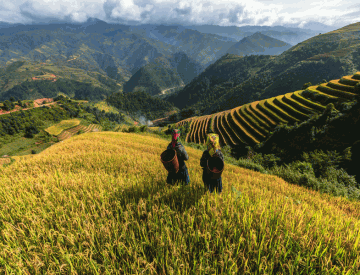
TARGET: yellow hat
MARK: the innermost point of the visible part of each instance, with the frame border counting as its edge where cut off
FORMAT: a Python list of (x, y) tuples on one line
[(212, 143)]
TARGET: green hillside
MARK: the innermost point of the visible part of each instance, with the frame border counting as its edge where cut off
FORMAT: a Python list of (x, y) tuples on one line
[(338, 50), (103, 52), (32, 80), (217, 79), (186, 67), (154, 77), (141, 103)]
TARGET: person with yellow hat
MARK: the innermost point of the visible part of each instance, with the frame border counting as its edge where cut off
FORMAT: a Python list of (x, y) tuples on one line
[(183, 174), (213, 150)]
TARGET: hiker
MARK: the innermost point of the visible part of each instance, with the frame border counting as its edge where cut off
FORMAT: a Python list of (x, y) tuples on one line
[(182, 156), (213, 150)]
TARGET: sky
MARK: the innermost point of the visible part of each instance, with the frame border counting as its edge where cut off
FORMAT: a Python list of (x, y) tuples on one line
[(337, 13)]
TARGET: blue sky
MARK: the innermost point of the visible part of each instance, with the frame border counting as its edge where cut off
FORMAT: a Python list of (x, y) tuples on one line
[(336, 13)]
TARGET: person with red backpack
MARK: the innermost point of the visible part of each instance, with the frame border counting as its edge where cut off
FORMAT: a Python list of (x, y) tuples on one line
[(182, 175), (213, 150)]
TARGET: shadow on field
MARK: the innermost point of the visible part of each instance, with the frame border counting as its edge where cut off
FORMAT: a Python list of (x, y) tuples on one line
[(177, 197)]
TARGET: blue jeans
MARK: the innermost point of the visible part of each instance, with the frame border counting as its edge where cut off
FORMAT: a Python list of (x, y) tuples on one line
[(212, 184), (182, 175)]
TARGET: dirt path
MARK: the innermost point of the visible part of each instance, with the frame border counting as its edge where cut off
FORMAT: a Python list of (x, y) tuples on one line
[(36, 105), (163, 91)]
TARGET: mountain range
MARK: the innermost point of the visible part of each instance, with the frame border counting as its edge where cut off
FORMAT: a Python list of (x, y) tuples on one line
[(114, 51), (318, 59), (289, 34), (115, 57)]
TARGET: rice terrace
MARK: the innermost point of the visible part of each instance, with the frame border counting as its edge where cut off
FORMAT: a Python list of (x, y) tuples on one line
[(84, 128)]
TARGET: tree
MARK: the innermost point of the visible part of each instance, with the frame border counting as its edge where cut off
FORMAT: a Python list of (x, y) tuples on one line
[(30, 131), (8, 105), (306, 85)]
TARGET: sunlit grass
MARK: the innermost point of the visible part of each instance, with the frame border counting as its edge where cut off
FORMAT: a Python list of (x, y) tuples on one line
[(63, 125), (102, 105), (98, 204)]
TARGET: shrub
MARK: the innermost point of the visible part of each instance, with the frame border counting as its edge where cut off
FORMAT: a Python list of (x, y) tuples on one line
[(226, 150), (332, 181), (144, 128), (339, 176), (33, 152), (30, 131), (306, 85), (248, 164), (302, 167), (294, 176), (321, 161), (133, 129), (266, 160)]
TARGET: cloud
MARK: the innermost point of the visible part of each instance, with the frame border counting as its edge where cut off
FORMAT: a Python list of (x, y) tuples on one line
[(185, 12)]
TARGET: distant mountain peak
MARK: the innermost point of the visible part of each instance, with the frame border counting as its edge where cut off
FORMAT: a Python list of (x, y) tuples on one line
[(258, 43), (93, 21)]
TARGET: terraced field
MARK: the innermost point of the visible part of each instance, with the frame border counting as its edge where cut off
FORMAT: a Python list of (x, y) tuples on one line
[(73, 131), (56, 129), (252, 123), (182, 123)]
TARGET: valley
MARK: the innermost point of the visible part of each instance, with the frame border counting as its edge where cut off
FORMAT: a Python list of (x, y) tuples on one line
[(87, 109)]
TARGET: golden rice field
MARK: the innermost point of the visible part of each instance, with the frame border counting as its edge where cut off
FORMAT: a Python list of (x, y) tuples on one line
[(98, 203), (63, 125), (74, 130), (251, 123)]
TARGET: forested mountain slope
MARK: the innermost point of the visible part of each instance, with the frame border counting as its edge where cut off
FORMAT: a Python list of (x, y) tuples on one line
[(163, 74), (217, 79), (154, 77), (32, 80), (324, 57)]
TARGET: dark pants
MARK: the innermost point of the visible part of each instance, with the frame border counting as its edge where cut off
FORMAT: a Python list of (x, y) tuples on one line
[(182, 175), (212, 184)]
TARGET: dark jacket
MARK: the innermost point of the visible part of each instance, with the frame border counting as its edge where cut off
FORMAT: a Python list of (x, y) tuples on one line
[(206, 156), (181, 153)]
